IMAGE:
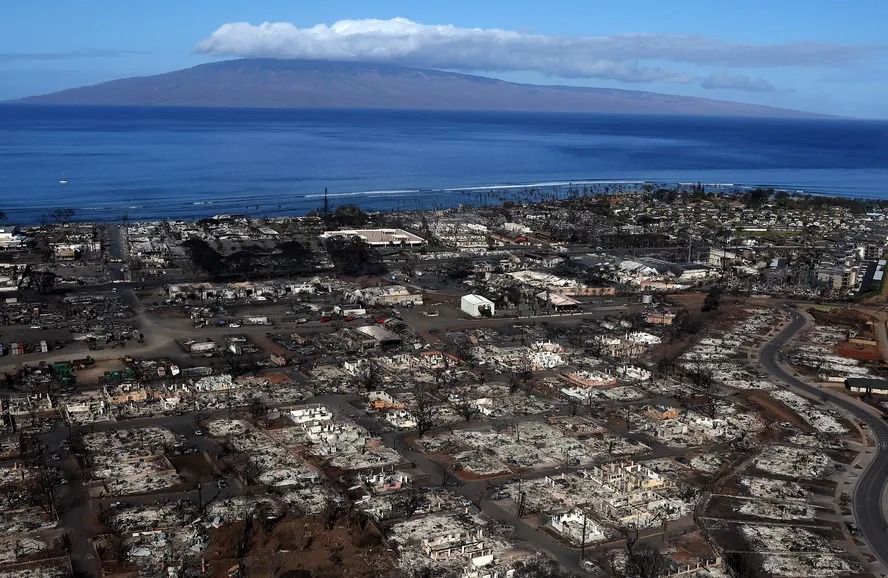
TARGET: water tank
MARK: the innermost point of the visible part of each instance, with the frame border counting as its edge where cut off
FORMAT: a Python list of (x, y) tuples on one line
[(647, 299)]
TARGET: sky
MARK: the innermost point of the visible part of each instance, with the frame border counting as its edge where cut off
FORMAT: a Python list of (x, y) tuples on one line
[(814, 55)]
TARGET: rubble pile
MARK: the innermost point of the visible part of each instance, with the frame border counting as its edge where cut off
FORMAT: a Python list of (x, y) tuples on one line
[(823, 421), (131, 461), (794, 462)]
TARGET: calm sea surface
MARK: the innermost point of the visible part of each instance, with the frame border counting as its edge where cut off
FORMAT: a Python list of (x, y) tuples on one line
[(151, 163)]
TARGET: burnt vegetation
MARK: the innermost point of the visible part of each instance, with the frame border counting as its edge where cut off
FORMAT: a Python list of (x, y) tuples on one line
[(354, 257), (253, 262)]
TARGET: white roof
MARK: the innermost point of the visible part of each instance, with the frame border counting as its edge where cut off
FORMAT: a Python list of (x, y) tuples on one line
[(477, 299)]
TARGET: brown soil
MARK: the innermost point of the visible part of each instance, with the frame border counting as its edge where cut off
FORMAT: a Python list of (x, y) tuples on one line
[(861, 352), (92, 374), (301, 546), (852, 318), (774, 411), (192, 467), (690, 301), (690, 548)]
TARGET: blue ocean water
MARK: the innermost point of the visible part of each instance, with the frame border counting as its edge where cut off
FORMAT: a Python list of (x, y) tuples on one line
[(151, 163)]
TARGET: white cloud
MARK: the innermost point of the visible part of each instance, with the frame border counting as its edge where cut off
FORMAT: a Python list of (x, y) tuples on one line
[(625, 57), (728, 81)]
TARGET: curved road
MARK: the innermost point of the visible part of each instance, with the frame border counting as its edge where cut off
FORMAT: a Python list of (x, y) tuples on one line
[(867, 499)]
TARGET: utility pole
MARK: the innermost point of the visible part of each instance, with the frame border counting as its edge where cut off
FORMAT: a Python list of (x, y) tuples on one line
[(583, 539)]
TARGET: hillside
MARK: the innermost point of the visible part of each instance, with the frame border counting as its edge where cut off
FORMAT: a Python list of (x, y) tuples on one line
[(310, 84)]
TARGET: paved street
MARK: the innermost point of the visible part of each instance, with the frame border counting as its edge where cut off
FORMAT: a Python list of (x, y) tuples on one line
[(867, 500), (475, 491)]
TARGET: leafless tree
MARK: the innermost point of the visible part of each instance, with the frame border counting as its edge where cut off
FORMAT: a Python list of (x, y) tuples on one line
[(62, 216), (423, 409), (245, 540), (464, 405), (630, 533), (409, 502), (514, 381), (368, 377), (41, 491)]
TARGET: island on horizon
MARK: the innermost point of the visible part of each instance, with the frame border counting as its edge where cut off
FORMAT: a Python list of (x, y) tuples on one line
[(272, 83)]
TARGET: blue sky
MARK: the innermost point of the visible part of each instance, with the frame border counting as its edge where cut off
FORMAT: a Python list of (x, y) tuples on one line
[(823, 56)]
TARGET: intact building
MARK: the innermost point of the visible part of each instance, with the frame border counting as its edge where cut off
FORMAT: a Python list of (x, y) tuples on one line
[(867, 385), (477, 306), (379, 237)]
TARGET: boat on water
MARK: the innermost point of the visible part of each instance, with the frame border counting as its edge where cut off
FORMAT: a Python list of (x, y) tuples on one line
[(64, 179)]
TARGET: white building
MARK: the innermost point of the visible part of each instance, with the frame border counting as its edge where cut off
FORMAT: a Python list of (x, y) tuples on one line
[(477, 306), (388, 296), (9, 237), (379, 237)]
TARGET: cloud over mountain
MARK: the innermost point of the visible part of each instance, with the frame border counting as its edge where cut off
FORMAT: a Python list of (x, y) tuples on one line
[(631, 58), (736, 83)]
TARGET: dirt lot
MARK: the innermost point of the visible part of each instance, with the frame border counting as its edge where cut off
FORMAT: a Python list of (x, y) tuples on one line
[(852, 318), (92, 374), (774, 411), (192, 467), (859, 352), (346, 546)]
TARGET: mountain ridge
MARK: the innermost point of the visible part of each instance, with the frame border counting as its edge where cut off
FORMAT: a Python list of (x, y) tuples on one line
[(270, 83)]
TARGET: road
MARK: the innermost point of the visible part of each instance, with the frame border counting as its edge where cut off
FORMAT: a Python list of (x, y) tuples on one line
[(477, 491), (867, 498), (116, 252), (161, 333), (79, 513)]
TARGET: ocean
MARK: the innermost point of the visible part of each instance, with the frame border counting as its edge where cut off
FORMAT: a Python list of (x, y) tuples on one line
[(153, 163)]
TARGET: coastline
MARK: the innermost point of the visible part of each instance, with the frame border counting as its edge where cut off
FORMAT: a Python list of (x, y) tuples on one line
[(387, 201)]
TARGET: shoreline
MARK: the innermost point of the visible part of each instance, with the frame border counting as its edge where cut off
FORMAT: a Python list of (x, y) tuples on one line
[(394, 200)]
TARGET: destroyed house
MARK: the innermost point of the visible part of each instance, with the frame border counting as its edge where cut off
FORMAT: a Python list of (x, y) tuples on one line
[(469, 543)]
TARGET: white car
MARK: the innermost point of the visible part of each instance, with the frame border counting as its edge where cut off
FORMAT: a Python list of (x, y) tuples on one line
[(235, 325)]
